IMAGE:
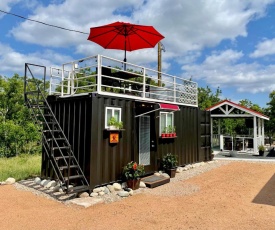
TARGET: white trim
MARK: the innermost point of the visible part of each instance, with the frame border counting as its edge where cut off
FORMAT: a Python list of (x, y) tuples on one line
[(255, 144), (237, 107), (231, 115), (144, 99), (160, 128), (113, 110)]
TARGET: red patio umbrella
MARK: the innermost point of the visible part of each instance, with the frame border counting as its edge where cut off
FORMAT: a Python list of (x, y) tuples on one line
[(125, 36)]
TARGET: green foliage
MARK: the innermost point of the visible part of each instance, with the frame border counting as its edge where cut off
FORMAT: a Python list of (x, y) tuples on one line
[(133, 171), (20, 167), (270, 111), (206, 98), (261, 148), (18, 135), (113, 122), (169, 161), (250, 105)]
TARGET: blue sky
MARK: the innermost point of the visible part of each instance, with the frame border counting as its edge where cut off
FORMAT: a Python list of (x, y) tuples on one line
[(219, 43)]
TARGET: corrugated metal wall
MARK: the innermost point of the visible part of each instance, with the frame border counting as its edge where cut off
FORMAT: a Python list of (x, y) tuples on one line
[(186, 145), (74, 118), (108, 159), (82, 119)]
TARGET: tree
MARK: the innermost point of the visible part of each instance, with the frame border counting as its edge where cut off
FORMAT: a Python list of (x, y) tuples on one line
[(270, 111), (17, 132), (247, 103), (207, 98)]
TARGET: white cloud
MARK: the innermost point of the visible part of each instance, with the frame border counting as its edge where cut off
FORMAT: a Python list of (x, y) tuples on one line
[(223, 70), (13, 62), (6, 5), (264, 48), (187, 25)]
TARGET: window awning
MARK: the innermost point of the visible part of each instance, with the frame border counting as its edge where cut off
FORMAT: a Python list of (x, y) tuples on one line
[(169, 107), (166, 107)]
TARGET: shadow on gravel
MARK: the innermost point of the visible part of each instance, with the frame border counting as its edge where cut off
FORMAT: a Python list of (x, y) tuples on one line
[(267, 194)]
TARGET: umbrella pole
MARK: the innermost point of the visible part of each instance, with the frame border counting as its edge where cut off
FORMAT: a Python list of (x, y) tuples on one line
[(125, 60), (125, 54)]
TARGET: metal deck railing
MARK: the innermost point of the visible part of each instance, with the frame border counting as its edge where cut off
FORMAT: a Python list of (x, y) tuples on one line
[(108, 76)]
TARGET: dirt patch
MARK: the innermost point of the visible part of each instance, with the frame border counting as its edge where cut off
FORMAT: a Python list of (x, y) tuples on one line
[(239, 195)]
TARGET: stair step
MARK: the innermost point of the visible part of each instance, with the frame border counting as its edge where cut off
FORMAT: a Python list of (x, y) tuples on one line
[(49, 122), (57, 139), (55, 131), (38, 105), (64, 157), (66, 167), (47, 115), (81, 188), (73, 177), (32, 92), (61, 147)]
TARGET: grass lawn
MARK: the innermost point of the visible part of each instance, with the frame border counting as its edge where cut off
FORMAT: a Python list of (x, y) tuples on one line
[(20, 167)]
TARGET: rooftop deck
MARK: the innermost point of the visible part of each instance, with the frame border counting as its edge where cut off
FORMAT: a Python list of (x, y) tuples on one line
[(108, 76)]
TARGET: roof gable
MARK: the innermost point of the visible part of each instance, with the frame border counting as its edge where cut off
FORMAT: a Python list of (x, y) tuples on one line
[(231, 109)]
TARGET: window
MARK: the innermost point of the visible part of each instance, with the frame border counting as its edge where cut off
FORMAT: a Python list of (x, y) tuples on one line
[(166, 120), (112, 112)]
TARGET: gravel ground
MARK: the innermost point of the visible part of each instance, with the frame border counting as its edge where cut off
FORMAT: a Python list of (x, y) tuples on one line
[(221, 195), (171, 189)]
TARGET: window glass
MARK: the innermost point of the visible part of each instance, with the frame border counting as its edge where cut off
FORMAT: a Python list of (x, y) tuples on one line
[(169, 119), (112, 112), (162, 121), (166, 119), (117, 114), (109, 115)]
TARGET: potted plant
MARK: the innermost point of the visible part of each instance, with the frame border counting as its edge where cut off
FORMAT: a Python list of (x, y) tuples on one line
[(167, 131), (132, 173), (119, 125), (174, 131), (233, 152), (114, 124), (169, 163), (261, 149), (170, 130), (163, 132)]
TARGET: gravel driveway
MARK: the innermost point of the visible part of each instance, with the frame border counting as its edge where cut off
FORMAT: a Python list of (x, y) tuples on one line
[(220, 195)]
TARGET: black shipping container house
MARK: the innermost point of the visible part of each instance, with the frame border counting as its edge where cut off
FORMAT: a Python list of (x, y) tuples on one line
[(78, 145)]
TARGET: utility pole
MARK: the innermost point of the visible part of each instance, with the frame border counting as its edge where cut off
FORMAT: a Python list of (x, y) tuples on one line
[(160, 48)]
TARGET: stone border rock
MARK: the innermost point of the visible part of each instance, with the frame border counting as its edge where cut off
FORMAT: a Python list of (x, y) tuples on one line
[(112, 192)]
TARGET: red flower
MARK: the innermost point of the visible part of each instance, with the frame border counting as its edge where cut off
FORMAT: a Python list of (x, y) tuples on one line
[(135, 166)]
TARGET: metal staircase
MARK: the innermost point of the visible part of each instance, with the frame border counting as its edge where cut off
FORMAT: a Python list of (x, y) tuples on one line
[(55, 144)]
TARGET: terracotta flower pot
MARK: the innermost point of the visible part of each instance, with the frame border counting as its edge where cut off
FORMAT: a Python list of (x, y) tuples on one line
[(163, 135), (133, 184)]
